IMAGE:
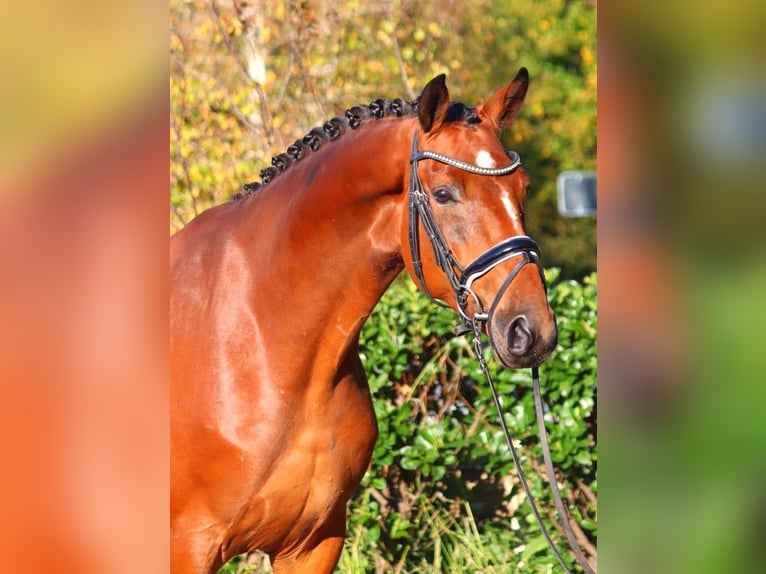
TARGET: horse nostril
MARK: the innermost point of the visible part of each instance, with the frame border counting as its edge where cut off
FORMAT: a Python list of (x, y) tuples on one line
[(520, 336)]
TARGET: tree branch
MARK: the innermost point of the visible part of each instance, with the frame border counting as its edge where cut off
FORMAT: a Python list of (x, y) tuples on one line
[(398, 56)]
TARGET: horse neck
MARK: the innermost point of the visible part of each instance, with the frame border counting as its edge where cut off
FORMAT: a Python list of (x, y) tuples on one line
[(326, 238)]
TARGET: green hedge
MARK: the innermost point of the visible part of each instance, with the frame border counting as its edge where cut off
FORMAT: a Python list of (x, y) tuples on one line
[(441, 493)]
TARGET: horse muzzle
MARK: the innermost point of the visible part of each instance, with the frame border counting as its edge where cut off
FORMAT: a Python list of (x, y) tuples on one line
[(522, 335), (524, 340)]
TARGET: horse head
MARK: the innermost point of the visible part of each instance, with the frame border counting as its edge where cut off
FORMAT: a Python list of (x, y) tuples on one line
[(466, 208)]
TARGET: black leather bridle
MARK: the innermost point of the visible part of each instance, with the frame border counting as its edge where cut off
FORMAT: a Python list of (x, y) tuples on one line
[(461, 280)]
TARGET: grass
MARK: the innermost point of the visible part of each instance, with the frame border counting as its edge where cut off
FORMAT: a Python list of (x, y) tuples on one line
[(443, 543)]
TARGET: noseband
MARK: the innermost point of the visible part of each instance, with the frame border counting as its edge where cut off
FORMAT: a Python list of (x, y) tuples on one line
[(461, 278)]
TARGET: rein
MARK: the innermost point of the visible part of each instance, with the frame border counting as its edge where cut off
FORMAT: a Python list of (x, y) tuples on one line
[(461, 280), (558, 502)]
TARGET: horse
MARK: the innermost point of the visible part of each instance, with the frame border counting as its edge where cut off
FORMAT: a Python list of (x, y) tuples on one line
[(272, 421)]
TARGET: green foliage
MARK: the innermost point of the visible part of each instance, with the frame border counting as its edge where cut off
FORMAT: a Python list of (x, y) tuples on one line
[(441, 469)]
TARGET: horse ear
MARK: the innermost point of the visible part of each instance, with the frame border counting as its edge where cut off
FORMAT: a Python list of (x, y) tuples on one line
[(433, 104), (504, 104)]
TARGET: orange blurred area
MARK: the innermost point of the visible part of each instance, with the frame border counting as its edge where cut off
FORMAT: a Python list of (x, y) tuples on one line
[(83, 295)]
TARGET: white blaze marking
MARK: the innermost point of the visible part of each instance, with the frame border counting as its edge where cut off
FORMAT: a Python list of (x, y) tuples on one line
[(483, 159), (505, 197)]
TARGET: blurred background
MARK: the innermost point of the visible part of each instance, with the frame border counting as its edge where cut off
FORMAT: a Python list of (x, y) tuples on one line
[(83, 286), (682, 136)]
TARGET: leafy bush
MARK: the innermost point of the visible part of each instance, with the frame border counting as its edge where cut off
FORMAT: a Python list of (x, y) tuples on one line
[(441, 476)]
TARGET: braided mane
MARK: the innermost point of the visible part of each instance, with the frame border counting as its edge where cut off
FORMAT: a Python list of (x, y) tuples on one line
[(331, 130), (334, 128)]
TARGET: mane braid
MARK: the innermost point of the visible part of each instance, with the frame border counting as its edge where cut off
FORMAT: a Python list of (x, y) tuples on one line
[(334, 128), (331, 130)]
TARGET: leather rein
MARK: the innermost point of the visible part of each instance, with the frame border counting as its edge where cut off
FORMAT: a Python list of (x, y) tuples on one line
[(461, 280)]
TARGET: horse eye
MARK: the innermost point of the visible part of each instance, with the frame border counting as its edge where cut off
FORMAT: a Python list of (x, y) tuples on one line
[(442, 195)]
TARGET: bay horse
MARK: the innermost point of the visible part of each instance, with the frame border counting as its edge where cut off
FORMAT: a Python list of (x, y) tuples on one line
[(272, 423)]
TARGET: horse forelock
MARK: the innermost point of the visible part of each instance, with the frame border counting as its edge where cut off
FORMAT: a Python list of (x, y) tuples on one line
[(334, 128)]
